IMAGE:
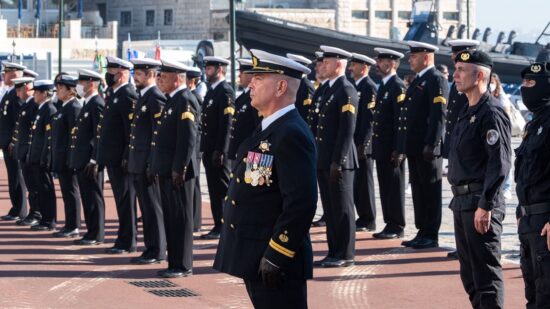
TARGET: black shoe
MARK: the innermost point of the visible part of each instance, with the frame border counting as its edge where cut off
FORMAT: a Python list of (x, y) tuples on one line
[(64, 233), (211, 235), (9, 218), (320, 262), (115, 250), (175, 273), (453, 255), (86, 242), (42, 227), (410, 243), (142, 260), (425, 243), (388, 235), (28, 221), (196, 230), (361, 226), (319, 223), (333, 263)]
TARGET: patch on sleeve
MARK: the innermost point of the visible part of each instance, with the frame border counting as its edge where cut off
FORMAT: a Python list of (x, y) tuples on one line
[(187, 115), (440, 99), (348, 108), (492, 137), (401, 98), (229, 110)]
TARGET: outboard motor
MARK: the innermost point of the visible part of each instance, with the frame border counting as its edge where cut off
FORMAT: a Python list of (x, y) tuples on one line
[(512, 36), (449, 36), (461, 31), (476, 34), (500, 37), (486, 34)]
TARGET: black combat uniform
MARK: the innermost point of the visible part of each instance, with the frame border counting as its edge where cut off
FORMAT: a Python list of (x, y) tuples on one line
[(246, 119), (83, 150), (391, 174), (420, 125), (457, 102), (532, 173), (363, 186), (147, 112), (62, 124), (335, 129), (174, 152), (112, 150), (39, 158), (217, 111), (304, 97)]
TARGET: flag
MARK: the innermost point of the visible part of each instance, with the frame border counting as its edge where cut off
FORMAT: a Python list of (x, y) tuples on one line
[(157, 52), (99, 63)]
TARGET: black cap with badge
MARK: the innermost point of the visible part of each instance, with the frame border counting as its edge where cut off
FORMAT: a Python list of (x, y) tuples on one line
[(536, 95), (476, 57)]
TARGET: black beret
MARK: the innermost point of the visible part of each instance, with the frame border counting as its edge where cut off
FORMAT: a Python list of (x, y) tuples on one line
[(536, 69), (475, 57)]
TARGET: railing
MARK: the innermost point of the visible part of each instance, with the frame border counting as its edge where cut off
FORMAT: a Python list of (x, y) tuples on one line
[(90, 32), (29, 31)]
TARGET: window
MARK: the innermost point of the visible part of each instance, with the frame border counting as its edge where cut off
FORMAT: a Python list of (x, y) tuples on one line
[(383, 14), (450, 15), (125, 19), (404, 14), (13, 4), (360, 14), (168, 14), (150, 17)]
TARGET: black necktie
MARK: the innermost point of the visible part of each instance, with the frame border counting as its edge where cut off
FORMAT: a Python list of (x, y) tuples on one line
[(168, 97)]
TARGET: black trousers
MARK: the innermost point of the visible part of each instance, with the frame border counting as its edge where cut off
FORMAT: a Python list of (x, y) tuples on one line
[(535, 267), (363, 191), (71, 198), (217, 179), (34, 211), (93, 204), (45, 195), (125, 208), (391, 182), (292, 294), (425, 179), (340, 215), (154, 235), (479, 257), (197, 200), (16, 186), (177, 207)]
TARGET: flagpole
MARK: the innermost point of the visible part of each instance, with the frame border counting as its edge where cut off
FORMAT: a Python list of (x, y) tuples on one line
[(60, 35)]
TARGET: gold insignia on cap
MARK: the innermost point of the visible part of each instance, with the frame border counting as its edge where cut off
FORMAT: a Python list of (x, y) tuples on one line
[(465, 56), (535, 68), (264, 146), (254, 61)]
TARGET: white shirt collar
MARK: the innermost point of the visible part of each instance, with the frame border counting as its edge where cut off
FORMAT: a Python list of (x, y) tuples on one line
[(387, 78), (144, 90), (276, 115), (332, 81), (359, 80), (424, 71), (177, 89), (117, 88), (42, 104), (246, 90), (87, 99), (10, 88), (28, 99), (68, 101), (214, 85)]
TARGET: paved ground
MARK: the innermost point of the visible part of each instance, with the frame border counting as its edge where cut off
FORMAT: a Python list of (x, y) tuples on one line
[(37, 271)]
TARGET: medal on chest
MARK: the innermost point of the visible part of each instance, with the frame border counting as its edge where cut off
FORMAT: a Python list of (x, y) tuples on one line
[(258, 169)]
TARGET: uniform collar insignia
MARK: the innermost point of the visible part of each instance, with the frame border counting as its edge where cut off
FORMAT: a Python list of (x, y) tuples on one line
[(539, 131), (264, 146), (144, 108), (473, 119)]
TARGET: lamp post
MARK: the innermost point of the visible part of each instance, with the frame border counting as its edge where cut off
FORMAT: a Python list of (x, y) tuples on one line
[(60, 35), (232, 40)]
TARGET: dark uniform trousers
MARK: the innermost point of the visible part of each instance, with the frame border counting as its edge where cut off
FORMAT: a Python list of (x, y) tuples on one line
[(197, 199), (126, 211), (68, 183), (391, 183), (34, 211), (45, 194), (292, 294), (363, 192), (335, 144), (217, 181), (9, 112), (93, 205)]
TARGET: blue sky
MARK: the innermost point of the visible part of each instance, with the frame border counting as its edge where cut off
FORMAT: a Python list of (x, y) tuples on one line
[(527, 17)]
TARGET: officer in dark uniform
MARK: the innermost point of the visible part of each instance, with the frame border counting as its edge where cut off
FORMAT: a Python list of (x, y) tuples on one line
[(246, 117), (216, 118), (112, 150), (272, 195), (82, 157), (174, 160), (390, 168), (39, 155), (306, 90), (19, 147), (337, 158), (142, 181), (531, 175), (419, 137), (62, 124), (9, 112), (479, 160), (193, 79), (363, 184)]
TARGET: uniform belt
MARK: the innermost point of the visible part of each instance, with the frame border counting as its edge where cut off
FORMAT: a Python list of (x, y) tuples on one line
[(535, 209), (467, 189)]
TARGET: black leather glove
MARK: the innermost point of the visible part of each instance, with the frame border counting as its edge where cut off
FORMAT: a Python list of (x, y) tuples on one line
[(335, 172), (91, 170), (271, 275), (150, 177), (428, 153), (124, 165), (11, 148), (177, 179), (362, 151), (396, 159), (217, 158)]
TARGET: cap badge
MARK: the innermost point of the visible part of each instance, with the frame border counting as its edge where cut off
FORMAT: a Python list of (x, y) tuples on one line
[(264, 146), (535, 68), (465, 56), (254, 61)]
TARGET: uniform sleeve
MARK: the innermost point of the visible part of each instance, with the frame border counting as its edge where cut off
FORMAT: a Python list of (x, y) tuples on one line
[(155, 108), (348, 118), (45, 155), (226, 110), (438, 93), (496, 137), (96, 113), (367, 101), (186, 137), (127, 114), (397, 100), (295, 156)]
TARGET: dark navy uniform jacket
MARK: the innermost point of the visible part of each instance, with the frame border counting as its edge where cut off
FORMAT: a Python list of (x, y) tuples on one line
[(174, 146), (422, 114), (21, 135), (245, 120), (480, 153), (9, 112), (389, 98), (199, 112), (147, 112), (114, 127), (532, 171), (39, 153), (313, 115), (62, 124), (366, 91), (217, 111), (84, 133), (457, 101), (271, 218), (304, 97), (336, 126)]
